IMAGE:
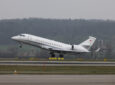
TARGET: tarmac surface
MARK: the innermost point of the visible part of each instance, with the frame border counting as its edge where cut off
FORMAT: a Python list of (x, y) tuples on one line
[(58, 63), (57, 79)]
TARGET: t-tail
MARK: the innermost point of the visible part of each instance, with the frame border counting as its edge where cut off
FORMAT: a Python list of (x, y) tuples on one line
[(88, 43)]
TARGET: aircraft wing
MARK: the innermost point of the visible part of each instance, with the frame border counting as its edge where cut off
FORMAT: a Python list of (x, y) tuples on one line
[(56, 49)]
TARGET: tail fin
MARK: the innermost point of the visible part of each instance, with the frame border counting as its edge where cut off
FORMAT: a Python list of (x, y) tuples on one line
[(88, 43)]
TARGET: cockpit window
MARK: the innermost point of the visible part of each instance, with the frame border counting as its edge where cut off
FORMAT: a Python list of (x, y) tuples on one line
[(22, 35)]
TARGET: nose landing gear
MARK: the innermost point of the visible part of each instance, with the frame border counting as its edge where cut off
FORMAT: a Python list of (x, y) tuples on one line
[(20, 44)]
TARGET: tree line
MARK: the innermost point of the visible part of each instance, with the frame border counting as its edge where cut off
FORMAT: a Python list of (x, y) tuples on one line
[(64, 30)]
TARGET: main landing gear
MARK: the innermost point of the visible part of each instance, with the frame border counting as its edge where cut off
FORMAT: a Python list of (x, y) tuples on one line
[(61, 56), (52, 54)]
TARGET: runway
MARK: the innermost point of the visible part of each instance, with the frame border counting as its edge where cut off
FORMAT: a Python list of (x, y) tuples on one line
[(57, 79), (58, 63)]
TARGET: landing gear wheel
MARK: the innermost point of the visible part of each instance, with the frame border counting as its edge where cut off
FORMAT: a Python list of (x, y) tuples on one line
[(52, 54), (61, 55), (20, 46)]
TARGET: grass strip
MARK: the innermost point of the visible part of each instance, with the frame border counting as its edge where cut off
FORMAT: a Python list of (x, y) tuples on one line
[(16, 69)]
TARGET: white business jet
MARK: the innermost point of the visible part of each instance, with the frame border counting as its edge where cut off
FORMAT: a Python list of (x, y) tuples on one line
[(55, 46)]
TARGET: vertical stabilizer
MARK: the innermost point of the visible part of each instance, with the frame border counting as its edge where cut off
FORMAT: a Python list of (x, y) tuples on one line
[(88, 43)]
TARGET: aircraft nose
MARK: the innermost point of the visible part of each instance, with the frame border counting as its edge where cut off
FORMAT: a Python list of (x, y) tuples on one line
[(14, 37)]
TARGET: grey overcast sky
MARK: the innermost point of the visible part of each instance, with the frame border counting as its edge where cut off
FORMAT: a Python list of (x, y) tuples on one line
[(74, 9)]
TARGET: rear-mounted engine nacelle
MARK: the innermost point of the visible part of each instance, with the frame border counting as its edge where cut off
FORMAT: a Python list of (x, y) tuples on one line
[(72, 47)]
